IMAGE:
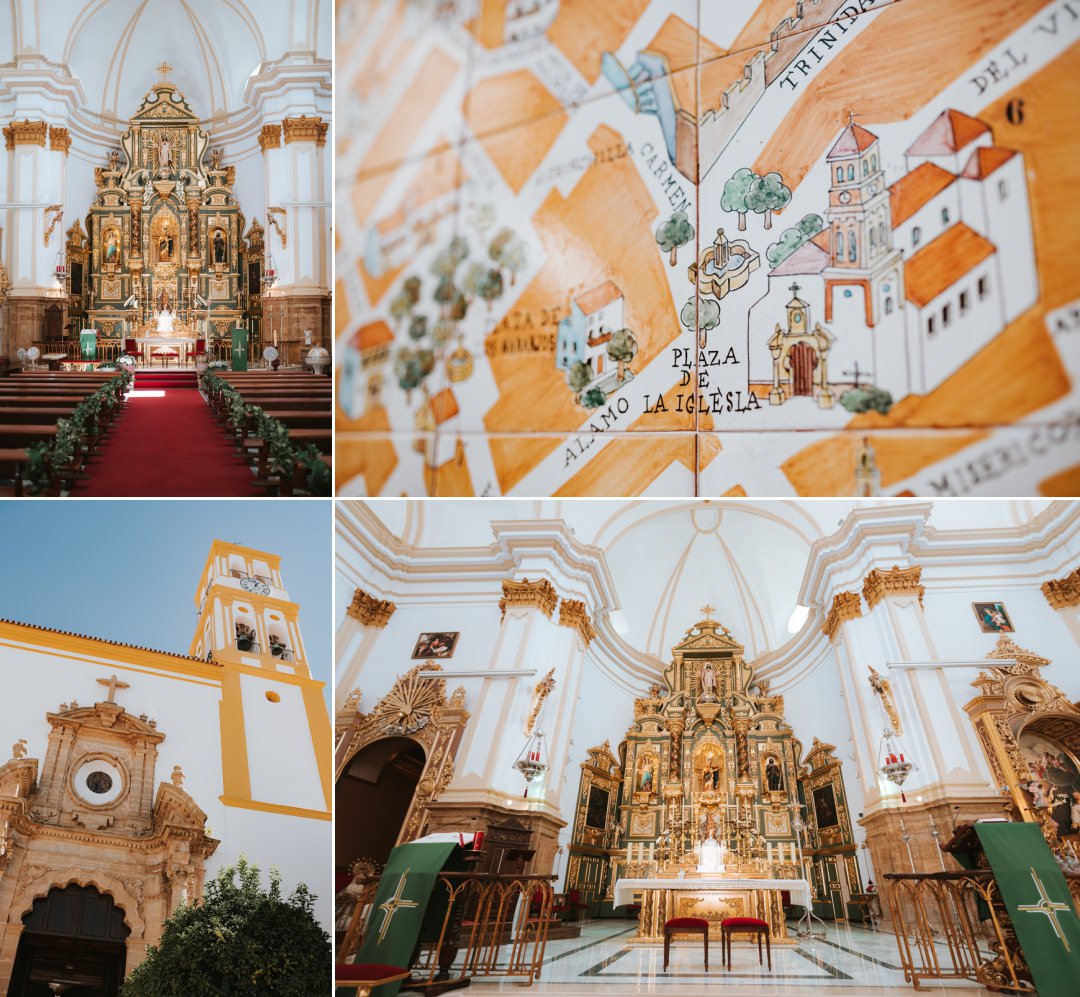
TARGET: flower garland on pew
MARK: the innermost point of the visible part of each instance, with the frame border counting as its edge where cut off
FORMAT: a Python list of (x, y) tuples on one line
[(283, 456), (46, 461)]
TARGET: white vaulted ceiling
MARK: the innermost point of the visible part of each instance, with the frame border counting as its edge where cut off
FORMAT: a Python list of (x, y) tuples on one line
[(214, 46)]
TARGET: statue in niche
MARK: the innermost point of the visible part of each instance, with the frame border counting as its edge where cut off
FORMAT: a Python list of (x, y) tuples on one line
[(774, 775), (112, 245), (645, 780), (219, 246), (710, 775), (708, 683), (215, 159), (114, 161), (165, 247), (164, 147), (148, 190)]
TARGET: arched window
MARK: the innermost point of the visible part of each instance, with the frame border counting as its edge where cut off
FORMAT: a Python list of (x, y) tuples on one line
[(851, 245), (865, 168), (881, 234), (916, 235), (873, 239), (851, 172), (873, 163), (944, 216), (839, 173), (888, 306)]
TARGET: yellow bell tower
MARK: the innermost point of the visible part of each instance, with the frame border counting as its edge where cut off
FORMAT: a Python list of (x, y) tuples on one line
[(276, 738)]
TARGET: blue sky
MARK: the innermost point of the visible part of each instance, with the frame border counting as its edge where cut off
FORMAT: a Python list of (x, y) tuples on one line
[(127, 570)]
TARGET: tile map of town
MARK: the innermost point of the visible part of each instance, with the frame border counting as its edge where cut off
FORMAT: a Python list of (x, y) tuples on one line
[(718, 248)]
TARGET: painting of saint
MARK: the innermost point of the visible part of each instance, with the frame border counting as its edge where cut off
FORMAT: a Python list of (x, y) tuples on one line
[(1057, 778), (597, 807), (219, 246), (825, 807), (992, 618), (112, 245), (436, 645)]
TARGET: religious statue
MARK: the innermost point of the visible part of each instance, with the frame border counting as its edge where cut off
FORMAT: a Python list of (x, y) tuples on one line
[(164, 148), (112, 246), (165, 247), (1074, 813), (18, 749), (165, 320), (645, 781), (711, 854), (178, 777), (710, 775), (774, 776), (180, 187), (708, 683), (114, 161), (148, 190), (219, 246), (215, 159)]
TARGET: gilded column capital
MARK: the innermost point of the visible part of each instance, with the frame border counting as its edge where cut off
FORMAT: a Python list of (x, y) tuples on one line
[(305, 129), (1062, 593), (25, 132), (528, 595), (270, 137), (572, 614), (59, 139), (895, 581), (369, 611), (845, 606)]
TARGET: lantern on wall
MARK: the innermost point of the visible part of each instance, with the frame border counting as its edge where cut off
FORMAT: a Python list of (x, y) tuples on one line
[(532, 762), (895, 765)]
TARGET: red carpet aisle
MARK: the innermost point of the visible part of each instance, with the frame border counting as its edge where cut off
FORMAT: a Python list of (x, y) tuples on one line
[(167, 445)]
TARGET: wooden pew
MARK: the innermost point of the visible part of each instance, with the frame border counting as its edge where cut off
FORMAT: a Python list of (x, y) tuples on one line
[(12, 460)]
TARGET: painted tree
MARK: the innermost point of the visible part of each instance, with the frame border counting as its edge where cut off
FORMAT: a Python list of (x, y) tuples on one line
[(458, 307), (515, 257), (735, 193), (400, 306), (458, 250), (793, 238), (593, 398), (475, 273), (409, 370), (579, 376), (673, 233), (708, 318), (444, 293), (418, 327), (498, 243), (688, 315), (766, 195), (622, 348), (483, 217), (810, 225), (443, 264), (442, 332), (491, 287), (411, 288)]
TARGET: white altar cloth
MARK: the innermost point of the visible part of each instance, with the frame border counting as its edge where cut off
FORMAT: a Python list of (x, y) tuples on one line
[(626, 888)]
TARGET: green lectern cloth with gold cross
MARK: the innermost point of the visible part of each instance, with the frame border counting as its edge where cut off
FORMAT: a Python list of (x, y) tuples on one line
[(1039, 903), (405, 908)]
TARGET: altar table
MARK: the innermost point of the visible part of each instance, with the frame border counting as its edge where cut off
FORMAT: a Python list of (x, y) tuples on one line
[(713, 898), (182, 346)]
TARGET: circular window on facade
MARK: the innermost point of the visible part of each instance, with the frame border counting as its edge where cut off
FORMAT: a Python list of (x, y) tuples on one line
[(99, 782)]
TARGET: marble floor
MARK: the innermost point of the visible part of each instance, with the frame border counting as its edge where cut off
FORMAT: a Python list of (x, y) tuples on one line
[(850, 960)]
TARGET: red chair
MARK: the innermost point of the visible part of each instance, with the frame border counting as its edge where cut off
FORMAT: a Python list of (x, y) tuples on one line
[(200, 346), (744, 926), (365, 977), (131, 349), (686, 926)]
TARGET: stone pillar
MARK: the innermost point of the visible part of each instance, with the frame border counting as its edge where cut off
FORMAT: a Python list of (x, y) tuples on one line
[(1063, 594), (34, 232), (365, 618), (298, 230)]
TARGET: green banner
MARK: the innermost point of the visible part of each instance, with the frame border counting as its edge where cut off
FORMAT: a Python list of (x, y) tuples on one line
[(403, 899), (239, 349), (88, 344), (1038, 900)]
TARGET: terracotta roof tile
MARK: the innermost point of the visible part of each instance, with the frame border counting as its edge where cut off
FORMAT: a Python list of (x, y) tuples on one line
[(373, 334), (853, 140), (949, 132), (444, 406), (985, 160), (595, 298), (105, 640), (912, 191), (943, 262)]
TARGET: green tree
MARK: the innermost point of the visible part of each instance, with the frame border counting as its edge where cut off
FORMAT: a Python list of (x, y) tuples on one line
[(622, 348), (673, 233), (411, 287), (474, 278), (810, 225), (491, 287), (418, 327), (400, 306), (579, 376), (766, 195), (444, 293), (458, 250), (593, 398), (708, 318), (735, 193), (688, 315), (515, 256), (865, 399), (442, 332), (498, 243), (789, 241), (458, 307), (239, 940)]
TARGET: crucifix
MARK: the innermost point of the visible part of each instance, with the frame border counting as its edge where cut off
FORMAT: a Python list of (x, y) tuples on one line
[(856, 373), (1048, 908), (851, 115), (113, 683), (164, 69), (708, 611), (393, 905)]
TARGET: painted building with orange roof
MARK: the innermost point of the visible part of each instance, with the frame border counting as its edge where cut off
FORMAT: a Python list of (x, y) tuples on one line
[(583, 335)]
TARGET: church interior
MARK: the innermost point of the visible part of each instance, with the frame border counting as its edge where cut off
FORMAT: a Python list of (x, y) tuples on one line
[(165, 272), (604, 747)]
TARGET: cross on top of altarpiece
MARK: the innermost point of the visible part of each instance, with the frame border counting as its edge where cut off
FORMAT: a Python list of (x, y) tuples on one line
[(708, 611), (113, 684), (164, 69)]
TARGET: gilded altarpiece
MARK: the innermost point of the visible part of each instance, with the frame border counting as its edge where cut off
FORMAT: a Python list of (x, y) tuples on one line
[(165, 230), (596, 825)]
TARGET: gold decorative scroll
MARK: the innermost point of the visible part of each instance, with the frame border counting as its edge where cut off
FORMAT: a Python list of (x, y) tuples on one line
[(272, 215), (845, 606), (572, 614), (57, 212), (25, 132), (59, 139), (270, 137), (369, 611), (528, 595), (543, 689), (1063, 592), (895, 581), (883, 689), (305, 129), (1006, 649)]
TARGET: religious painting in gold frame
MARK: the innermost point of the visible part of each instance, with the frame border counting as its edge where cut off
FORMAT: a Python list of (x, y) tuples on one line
[(643, 824)]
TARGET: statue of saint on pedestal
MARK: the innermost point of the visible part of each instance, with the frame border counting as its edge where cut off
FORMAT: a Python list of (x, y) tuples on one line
[(165, 320), (711, 856)]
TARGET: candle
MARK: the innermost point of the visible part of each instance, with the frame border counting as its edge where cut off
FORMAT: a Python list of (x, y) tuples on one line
[(478, 841), (901, 758)]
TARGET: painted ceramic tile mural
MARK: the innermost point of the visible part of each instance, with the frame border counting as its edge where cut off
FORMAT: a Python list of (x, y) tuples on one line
[(720, 247)]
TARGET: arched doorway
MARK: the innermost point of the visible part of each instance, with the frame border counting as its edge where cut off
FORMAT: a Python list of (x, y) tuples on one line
[(73, 938), (374, 792), (803, 361)]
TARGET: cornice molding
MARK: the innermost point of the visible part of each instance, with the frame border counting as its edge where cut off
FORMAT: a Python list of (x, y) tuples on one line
[(896, 581), (845, 606), (524, 594), (572, 614), (270, 137), (369, 611), (1063, 593)]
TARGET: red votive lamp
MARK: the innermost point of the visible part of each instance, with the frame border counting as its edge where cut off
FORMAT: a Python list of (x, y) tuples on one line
[(478, 841)]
